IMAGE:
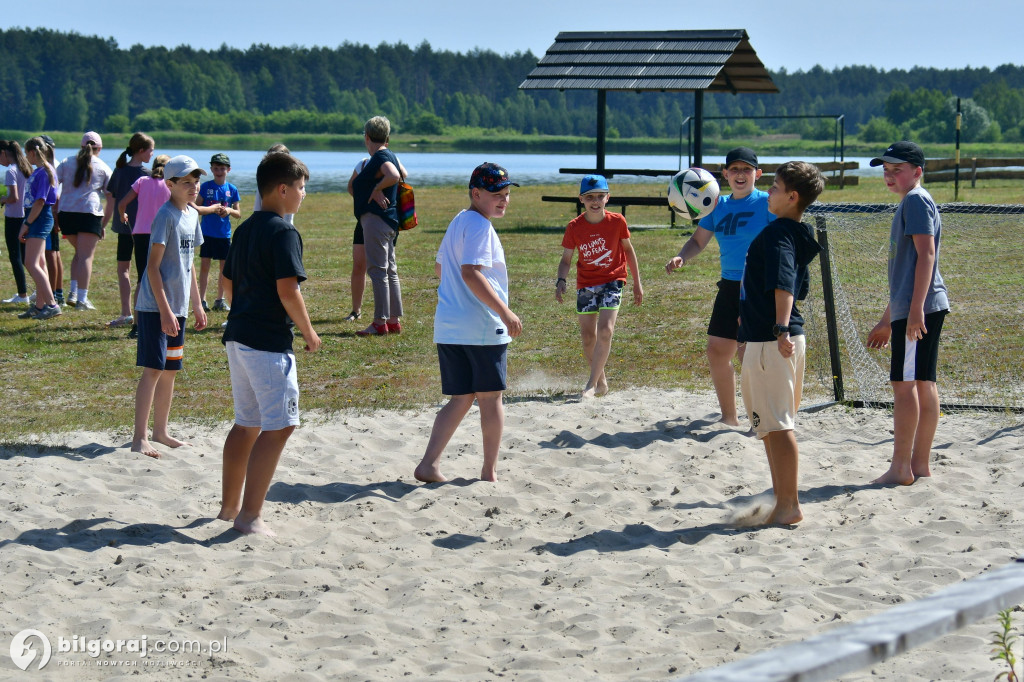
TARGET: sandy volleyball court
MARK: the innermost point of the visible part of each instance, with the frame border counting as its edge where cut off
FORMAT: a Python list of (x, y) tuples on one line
[(603, 553)]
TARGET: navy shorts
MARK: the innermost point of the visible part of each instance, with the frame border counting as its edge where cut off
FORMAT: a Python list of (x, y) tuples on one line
[(471, 369), (125, 246), (916, 360), (725, 317), (75, 223), (154, 349), (215, 248)]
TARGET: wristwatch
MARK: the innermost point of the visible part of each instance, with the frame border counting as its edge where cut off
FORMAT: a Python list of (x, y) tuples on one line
[(560, 279), (778, 330)]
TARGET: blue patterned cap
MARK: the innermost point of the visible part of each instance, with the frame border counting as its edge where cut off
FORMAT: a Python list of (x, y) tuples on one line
[(490, 177)]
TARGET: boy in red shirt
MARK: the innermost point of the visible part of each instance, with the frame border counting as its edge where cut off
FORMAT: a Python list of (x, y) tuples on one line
[(602, 238)]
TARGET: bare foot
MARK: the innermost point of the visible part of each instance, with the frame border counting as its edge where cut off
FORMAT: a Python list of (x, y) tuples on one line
[(589, 393), (731, 421), (143, 446), (893, 477), (602, 387), (228, 513), (166, 439), (925, 473), (254, 526), (489, 474), (429, 473), (786, 517)]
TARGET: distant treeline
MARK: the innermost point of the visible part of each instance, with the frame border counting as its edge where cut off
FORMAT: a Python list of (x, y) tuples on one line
[(60, 81)]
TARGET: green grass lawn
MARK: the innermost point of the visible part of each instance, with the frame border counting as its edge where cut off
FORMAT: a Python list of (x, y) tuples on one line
[(72, 372)]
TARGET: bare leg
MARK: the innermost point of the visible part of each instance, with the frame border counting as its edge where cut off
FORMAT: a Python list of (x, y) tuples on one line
[(445, 423), (85, 251), (784, 460), (162, 398), (927, 423), (204, 278), (124, 287), (588, 335), (143, 404), (358, 276), (220, 281), (35, 263), (771, 464), (266, 453), (237, 448), (492, 424), (55, 270), (720, 353), (597, 384), (906, 416)]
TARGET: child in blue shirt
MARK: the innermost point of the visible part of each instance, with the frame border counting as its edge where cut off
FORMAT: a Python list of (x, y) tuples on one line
[(736, 220), (217, 203)]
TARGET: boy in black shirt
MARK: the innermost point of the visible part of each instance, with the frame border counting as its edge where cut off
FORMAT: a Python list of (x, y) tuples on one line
[(775, 276), (261, 277)]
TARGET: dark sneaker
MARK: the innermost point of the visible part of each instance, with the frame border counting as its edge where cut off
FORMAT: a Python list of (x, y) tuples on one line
[(47, 312), (221, 304), (134, 333), (206, 307), (59, 295)]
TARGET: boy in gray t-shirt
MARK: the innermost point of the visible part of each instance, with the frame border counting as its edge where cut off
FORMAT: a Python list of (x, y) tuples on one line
[(913, 319), (163, 303)]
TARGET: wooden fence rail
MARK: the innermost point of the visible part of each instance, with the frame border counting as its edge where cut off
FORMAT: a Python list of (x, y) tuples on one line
[(881, 636)]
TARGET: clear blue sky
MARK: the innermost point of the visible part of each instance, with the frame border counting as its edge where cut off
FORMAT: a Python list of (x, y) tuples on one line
[(794, 34)]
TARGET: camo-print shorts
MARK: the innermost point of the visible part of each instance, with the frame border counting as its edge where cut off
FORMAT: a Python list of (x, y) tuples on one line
[(591, 300)]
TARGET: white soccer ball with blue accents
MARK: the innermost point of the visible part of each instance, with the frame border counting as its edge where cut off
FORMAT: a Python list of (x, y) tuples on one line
[(693, 193)]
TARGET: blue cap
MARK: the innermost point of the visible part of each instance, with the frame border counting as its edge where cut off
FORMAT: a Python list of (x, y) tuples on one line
[(593, 183)]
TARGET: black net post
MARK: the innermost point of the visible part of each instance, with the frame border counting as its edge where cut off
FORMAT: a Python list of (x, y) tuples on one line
[(828, 296)]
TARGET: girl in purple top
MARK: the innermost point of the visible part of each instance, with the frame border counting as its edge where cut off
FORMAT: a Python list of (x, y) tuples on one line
[(37, 227), (14, 212)]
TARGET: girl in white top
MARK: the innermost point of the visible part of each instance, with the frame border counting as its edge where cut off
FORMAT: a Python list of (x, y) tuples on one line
[(82, 217), (14, 212)]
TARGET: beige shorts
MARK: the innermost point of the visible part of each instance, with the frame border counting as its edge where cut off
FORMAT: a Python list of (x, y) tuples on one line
[(772, 384)]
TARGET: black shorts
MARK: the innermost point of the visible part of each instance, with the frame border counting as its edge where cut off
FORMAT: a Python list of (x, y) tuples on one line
[(725, 317), (141, 253), (76, 223), (916, 360), (125, 246), (154, 349), (53, 243), (472, 369), (215, 248)]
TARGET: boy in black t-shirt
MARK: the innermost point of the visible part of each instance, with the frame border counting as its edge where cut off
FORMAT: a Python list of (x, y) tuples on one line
[(262, 271), (775, 276)]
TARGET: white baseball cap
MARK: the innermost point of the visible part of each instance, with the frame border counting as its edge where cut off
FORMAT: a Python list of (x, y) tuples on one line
[(180, 166)]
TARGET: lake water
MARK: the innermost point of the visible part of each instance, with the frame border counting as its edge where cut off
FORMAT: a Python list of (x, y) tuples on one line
[(330, 170)]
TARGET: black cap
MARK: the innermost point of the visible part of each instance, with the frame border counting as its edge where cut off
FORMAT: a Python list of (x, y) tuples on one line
[(744, 154), (901, 152)]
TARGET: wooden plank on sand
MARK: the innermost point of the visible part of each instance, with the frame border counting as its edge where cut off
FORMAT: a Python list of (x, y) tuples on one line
[(879, 637)]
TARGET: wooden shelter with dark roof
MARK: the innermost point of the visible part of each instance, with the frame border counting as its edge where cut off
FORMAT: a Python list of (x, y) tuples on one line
[(651, 61)]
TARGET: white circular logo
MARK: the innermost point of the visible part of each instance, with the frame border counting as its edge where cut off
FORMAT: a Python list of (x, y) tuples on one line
[(23, 654)]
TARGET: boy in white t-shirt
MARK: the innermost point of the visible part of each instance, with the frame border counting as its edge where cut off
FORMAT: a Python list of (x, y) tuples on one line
[(473, 324)]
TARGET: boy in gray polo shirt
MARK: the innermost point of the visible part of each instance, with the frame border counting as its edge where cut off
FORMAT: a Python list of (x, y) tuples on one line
[(913, 319), (164, 293)]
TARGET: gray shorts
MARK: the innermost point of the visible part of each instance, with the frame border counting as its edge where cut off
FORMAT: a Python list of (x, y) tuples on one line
[(265, 387)]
